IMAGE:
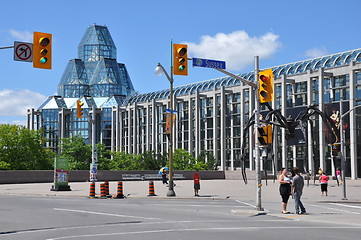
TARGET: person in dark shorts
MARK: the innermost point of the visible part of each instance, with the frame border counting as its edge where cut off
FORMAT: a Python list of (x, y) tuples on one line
[(196, 180), (324, 182), (285, 189)]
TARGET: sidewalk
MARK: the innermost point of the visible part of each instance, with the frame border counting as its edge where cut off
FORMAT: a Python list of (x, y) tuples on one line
[(214, 189)]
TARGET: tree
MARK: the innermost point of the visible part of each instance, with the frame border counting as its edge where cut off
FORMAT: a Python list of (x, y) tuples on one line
[(125, 161), (151, 160), (78, 153), (22, 149), (206, 161), (183, 160)]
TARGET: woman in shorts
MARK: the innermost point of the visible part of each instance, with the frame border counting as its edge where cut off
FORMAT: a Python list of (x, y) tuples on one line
[(285, 189)]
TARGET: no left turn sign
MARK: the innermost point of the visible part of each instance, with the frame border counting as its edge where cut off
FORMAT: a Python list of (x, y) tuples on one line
[(23, 51)]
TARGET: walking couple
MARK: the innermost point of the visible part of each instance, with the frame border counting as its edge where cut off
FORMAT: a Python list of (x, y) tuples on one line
[(291, 186)]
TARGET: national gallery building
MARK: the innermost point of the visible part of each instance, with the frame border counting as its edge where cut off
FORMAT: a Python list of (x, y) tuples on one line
[(211, 114)]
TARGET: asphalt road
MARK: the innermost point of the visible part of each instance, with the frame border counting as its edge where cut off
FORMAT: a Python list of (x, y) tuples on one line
[(38, 218)]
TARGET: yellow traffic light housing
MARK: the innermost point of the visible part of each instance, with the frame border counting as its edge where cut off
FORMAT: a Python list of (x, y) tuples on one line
[(42, 43), (265, 135), (265, 89), (180, 59), (79, 109)]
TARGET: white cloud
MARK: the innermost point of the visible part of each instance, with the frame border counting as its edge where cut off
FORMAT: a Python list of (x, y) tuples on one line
[(24, 36), (316, 52), (237, 48), (16, 103)]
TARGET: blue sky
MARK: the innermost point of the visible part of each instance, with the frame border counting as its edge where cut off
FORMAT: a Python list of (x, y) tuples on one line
[(279, 32)]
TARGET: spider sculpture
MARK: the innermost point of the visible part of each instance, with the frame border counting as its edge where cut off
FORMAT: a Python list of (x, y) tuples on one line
[(275, 118)]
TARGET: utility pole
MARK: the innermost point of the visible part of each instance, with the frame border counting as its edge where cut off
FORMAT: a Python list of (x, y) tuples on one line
[(257, 148), (255, 86)]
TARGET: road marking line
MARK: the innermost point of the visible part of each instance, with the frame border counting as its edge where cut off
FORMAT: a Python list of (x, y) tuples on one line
[(340, 210), (345, 205), (248, 204), (100, 213)]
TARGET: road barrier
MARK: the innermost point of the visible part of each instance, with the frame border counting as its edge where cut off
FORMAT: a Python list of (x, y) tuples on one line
[(103, 191), (106, 183), (92, 190), (120, 190), (151, 189)]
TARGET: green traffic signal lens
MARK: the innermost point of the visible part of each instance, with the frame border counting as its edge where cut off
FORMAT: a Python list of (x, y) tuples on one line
[(43, 60), (181, 67)]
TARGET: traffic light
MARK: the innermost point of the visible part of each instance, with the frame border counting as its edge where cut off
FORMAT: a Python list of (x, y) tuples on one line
[(180, 59), (42, 50), (79, 109), (265, 89), (265, 135)]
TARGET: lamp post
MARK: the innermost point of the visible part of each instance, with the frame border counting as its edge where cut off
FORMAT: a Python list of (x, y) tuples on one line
[(158, 71)]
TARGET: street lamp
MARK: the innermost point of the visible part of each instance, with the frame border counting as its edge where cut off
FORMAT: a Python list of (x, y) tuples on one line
[(158, 71)]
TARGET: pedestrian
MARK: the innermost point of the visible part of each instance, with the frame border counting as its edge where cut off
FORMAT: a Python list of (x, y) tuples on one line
[(297, 189), (285, 189), (196, 180), (164, 177), (320, 171), (338, 176), (324, 182)]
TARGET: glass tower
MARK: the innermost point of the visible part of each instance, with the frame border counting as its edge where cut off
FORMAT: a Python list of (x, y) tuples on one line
[(96, 72)]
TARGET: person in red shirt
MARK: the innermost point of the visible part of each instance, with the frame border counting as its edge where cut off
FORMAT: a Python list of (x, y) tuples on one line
[(324, 182), (196, 180)]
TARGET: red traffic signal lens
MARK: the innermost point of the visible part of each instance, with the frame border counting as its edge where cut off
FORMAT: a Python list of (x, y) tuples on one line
[(263, 78)]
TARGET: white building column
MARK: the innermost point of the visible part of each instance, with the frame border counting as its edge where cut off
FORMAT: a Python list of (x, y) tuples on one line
[(251, 130), (353, 128), (321, 129), (121, 142), (223, 129), (309, 144), (284, 112), (197, 133), (215, 124), (190, 125)]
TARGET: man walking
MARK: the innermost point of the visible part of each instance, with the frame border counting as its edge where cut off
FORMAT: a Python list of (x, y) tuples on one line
[(297, 185)]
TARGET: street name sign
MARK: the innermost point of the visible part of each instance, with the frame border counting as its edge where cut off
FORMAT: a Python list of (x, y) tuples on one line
[(23, 51), (208, 63)]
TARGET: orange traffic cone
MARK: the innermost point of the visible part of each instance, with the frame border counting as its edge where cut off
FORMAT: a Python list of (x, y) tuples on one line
[(106, 183), (120, 190), (103, 192), (92, 190), (151, 189)]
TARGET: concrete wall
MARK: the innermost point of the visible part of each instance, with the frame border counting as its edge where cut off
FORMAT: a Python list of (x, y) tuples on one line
[(39, 176)]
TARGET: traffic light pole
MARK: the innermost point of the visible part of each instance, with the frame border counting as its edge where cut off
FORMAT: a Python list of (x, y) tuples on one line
[(257, 148), (170, 192), (254, 85), (94, 150)]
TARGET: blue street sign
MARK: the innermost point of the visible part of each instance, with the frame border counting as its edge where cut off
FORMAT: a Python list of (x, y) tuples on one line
[(208, 63)]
